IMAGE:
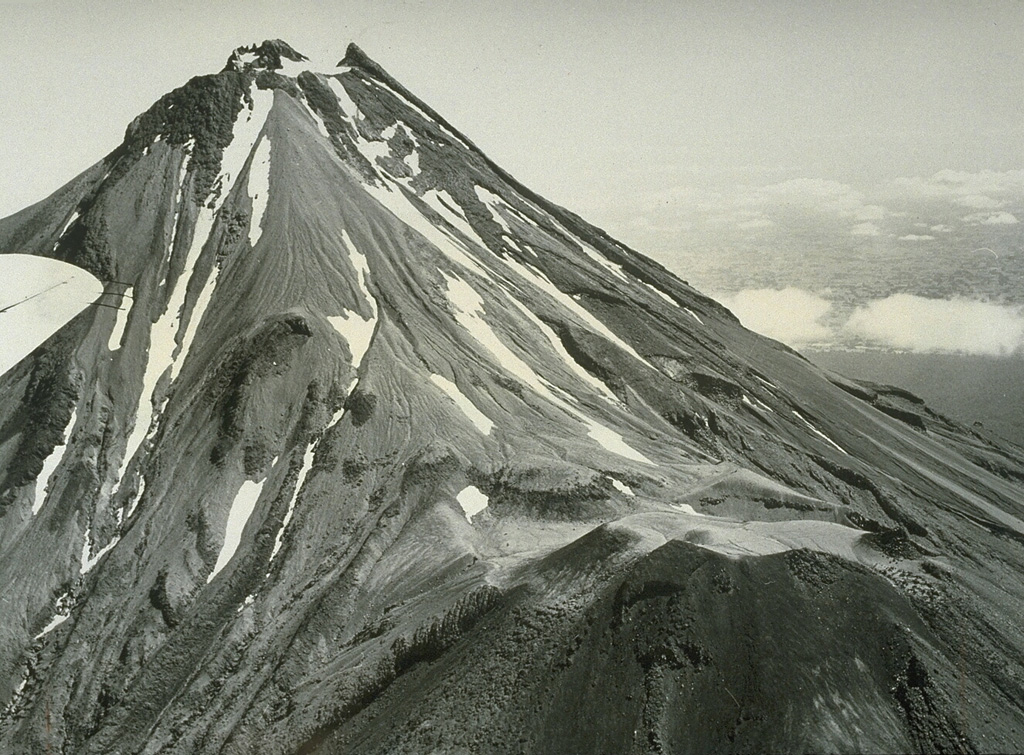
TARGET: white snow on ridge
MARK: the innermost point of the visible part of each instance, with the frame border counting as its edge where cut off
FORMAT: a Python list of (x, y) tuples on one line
[(162, 350), (238, 516), (354, 328), (662, 294), (74, 216), (482, 422), (348, 105), (88, 563), (693, 315), (417, 109), (541, 281), (567, 358), (400, 206), (612, 441), (469, 310), (307, 464), (472, 501), (55, 622), (51, 464), (258, 187), (117, 333), (819, 433), (622, 487)]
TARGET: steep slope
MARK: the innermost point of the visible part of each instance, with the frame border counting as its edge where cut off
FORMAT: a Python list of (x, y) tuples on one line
[(385, 453)]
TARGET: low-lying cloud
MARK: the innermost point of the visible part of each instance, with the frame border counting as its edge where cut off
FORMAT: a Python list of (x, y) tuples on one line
[(903, 322), (915, 323), (991, 218), (790, 315)]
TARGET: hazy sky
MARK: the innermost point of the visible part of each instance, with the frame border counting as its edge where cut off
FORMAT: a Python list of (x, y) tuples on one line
[(583, 101)]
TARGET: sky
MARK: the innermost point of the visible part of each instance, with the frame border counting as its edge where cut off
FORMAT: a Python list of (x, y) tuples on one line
[(661, 121)]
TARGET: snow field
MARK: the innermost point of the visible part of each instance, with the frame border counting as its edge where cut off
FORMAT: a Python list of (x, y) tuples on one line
[(819, 433), (480, 420), (241, 509), (162, 355), (117, 333), (472, 502), (258, 187), (51, 463)]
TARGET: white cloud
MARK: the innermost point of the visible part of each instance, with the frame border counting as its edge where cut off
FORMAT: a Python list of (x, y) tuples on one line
[(978, 202), (790, 315), (815, 194), (914, 323), (942, 228), (866, 229), (962, 185), (916, 237), (991, 218)]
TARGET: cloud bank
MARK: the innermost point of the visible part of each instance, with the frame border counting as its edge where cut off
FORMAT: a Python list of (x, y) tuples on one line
[(914, 323), (790, 315), (904, 322)]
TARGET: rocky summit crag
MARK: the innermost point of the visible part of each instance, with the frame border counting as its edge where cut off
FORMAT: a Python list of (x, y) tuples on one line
[(381, 452)]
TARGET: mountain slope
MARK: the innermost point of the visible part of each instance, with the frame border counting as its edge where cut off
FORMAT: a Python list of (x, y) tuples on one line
[(385, 453)]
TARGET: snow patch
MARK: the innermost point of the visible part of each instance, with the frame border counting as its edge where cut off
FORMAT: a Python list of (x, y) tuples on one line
[(88, 563), (492, 202), (686, 509), (612, 441), (162, 356), (662, 294), (480, 420), (444, 205), (258, 187), (469, 310), (51, 464), (117, 334), (74, 216), (756, 404), (402, 208), (307, 464), (348, 105), (541, 281), (354, 328), (241, 509), (622, 487), (556, 343), (472, 502), (693, 314), (62, 612), (819, 433)]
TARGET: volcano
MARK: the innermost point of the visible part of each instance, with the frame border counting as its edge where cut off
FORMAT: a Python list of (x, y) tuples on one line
[(368, 448)]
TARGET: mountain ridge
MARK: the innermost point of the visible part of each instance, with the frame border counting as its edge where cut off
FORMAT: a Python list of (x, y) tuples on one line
[(382, 445)]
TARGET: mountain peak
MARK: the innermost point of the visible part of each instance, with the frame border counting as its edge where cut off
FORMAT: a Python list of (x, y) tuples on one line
[(269, 55)]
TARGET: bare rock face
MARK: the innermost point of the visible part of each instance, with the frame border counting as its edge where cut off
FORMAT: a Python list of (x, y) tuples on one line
[(381, 452)]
